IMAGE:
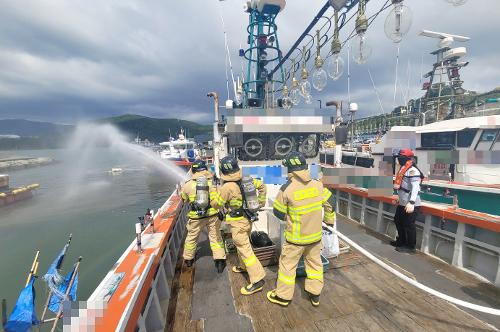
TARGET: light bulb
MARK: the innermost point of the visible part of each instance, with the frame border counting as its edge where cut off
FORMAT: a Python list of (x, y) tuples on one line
[(238, 98), (287, 103), (361, 49), (457, 2), (295, 95), (308, 99), (335, 67), (305, 88), (398, 22), (319, 78)]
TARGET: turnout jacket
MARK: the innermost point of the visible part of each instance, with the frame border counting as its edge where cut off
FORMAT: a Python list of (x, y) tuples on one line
[(300, 202), (229, 196), (188, 194)]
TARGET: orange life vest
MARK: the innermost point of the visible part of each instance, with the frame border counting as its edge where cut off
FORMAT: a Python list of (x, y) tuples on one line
[(401, 173)]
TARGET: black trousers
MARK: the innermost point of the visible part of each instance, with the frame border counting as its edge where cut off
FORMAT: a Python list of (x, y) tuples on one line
[(405, 224)]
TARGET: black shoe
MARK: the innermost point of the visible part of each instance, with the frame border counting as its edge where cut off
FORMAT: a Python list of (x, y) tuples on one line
[(189, 262), (406, 250), (395, 243), (220, 264)]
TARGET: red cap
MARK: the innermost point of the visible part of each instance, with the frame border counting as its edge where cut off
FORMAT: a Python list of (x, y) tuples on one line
[(406, 153)]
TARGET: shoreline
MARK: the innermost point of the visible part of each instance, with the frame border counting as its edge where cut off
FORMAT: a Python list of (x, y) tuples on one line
[(8, 164)]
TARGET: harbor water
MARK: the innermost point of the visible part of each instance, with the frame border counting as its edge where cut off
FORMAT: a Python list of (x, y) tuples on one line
[(78, 195)]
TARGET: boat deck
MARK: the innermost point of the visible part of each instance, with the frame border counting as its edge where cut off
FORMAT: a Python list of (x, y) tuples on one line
[(358, 295)]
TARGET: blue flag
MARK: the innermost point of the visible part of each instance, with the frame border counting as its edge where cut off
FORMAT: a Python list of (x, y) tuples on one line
[(58, 296), (52, 277), (23, 317)]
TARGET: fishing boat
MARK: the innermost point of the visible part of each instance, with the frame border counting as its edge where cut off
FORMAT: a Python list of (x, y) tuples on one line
[(181, 151), (451, 284), (9, 195)]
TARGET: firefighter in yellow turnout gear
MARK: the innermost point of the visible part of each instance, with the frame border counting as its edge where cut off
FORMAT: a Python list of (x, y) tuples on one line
[(229, 196), (300, 202), (199, 191)]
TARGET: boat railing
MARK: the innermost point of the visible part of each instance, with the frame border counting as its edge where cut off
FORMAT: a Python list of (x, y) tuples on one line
[(136, 292), (463, 238)]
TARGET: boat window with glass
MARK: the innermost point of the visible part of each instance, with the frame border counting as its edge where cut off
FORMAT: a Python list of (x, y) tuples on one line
[(465, 137), (487, 138), (438, 140)]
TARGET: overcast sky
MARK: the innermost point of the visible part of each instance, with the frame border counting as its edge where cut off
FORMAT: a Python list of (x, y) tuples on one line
[(65, 61)]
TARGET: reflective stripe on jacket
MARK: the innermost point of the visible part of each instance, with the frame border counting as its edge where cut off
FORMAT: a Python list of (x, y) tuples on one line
[(300, 202), (188, 194)]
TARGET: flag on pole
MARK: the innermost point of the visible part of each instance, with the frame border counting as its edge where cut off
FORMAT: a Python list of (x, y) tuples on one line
[(53, 278), (23, 316), (59, 295)]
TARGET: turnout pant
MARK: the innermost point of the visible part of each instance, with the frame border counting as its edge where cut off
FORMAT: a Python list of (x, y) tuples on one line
[(289, 259), (194, 227), (405, 224), (240, 232)]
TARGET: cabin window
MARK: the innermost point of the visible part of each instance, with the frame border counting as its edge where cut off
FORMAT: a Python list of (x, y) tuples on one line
[(488, 135), (438, 140), (465, 137), (486, 140)]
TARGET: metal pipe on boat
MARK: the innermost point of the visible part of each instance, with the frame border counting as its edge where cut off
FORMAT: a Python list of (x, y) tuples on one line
[(216, 104), (138, 231), (338, 121), (476, 307), (217, 138)]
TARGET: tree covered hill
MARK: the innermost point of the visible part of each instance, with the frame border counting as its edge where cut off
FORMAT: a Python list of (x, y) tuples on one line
[(155, 130)]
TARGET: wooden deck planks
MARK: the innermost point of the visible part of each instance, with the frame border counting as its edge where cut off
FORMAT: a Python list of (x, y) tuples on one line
[(358, 296)]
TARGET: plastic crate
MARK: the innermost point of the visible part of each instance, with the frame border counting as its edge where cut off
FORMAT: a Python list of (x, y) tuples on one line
[(301, 271)]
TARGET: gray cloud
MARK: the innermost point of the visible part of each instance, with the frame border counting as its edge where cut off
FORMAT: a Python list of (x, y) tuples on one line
[(65, 61)]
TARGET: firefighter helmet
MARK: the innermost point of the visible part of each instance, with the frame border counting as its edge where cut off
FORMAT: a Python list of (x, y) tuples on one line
[(229, 165), (198, 166), (295, 161)]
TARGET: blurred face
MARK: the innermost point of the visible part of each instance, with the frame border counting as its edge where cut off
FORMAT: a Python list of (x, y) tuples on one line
[(402, 160)]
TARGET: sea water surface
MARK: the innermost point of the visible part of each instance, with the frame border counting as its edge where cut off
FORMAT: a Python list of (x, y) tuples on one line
[(78, 196)]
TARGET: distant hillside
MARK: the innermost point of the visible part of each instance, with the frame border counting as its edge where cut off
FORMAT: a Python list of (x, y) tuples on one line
[(32, 128), (155, 130), (45, 135), (33, 134)]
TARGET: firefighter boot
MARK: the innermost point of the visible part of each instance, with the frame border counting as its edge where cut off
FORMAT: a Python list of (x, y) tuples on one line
[(314, 299), (272, 297), (252, 288), (220, 264)]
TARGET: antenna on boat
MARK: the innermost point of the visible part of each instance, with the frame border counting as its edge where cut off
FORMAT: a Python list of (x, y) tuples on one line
[(446, 65)]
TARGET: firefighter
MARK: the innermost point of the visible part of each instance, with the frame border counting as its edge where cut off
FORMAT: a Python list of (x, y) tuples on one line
[(300, 202), (199, 191), (407, 184), (230, 196)]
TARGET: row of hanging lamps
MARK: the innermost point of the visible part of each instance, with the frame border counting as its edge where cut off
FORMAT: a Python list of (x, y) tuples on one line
[(336, 63)]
